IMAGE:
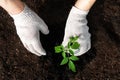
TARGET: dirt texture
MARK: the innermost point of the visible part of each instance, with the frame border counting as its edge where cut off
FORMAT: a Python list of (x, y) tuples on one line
[(101, 62)]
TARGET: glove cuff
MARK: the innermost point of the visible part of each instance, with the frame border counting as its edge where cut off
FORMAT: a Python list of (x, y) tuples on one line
[(27, 16), (25, 11), (75, 10)]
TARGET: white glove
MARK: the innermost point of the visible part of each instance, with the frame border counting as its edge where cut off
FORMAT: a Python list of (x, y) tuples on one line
[(28, 24), (77, 26)]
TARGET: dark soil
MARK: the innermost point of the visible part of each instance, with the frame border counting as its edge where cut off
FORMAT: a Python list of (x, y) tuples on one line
[(102, 62)]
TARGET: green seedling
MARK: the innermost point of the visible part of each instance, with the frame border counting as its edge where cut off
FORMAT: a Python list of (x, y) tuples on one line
[(67, 53)]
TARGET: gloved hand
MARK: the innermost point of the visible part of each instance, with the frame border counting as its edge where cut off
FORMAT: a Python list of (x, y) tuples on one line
[(28, 24), (77, 26)]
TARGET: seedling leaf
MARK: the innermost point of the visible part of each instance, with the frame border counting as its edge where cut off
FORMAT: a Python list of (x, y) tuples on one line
[(59, 49), (71, 66), (69, 44), (74, 58), (73, 39), (71, 52), (64, 61), (63, 54), (75, 45)]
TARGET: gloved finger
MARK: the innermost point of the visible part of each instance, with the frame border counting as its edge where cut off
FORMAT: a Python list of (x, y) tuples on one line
[(29, 48), (25, 45), (81, 51), (38, 47), (43, 28), (89, 44), (84, 47)]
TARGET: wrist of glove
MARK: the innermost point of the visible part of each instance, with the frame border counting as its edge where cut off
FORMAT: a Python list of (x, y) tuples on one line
[(28, 24), (76, 25)]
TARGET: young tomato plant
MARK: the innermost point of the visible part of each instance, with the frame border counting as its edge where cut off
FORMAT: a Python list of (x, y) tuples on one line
[(68, 53)]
